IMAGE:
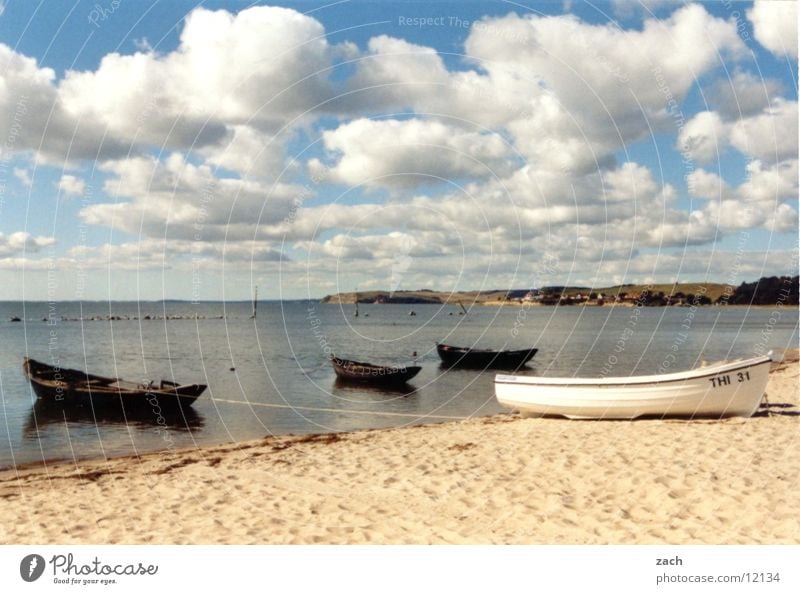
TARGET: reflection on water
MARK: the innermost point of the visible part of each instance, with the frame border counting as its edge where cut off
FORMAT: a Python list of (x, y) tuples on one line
[(343, 387), (44, 413), (272, 375)]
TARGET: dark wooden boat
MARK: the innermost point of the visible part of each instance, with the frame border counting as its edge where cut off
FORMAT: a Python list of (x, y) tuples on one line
[(69, 385), (483, 359), (356, 371)]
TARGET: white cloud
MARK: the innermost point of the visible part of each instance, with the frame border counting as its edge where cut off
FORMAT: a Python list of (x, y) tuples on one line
[(263, 67), (704, 137), (161, 254), (570, 93), (705, 184), (22, 242), (770, 135), (24, 176), (381, 247), (770, 183), (760, 201), (396, 74), (71, 185), (743, 94), (728, 215), (695, 264), (782, 219), (630, 182), (33, 117), (601, 86), (249, 152), (408, 153), (179, 200), (775, 26)]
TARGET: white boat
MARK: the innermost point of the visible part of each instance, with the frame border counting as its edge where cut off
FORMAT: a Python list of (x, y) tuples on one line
[(722, 390)]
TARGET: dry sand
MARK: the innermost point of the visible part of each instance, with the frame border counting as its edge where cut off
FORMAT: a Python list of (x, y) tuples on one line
[(492, 480)]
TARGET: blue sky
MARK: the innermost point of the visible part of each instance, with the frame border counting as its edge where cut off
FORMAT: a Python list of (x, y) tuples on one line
[(182, 150)]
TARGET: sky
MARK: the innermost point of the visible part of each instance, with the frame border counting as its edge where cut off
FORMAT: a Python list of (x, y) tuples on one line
[(184, 150)]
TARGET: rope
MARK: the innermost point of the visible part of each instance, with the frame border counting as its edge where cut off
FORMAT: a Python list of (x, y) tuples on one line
[(341, 410)]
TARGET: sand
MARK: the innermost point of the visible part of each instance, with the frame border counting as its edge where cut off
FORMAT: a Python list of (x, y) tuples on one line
[(500, 479)]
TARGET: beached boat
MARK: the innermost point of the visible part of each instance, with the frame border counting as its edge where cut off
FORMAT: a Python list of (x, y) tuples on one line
[(723, 390), (483, 359), (70, 386), (357, 371)]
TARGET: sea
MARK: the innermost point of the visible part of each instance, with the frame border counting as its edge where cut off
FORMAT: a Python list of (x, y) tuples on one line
[(272, 376)]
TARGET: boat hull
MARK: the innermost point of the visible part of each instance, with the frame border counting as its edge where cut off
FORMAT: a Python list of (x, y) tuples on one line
[(732, 390), (482, 359), (70, 386), (356, 371)]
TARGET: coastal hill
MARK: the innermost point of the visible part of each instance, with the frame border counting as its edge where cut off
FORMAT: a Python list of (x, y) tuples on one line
[(420, 296), (499, 296), (766, 291)]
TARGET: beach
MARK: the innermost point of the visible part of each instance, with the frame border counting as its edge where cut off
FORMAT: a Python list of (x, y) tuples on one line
[(499, 479)]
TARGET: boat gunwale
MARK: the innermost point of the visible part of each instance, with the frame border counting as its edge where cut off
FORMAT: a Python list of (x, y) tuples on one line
[(115, 389), (82, 388), (468, 350), (350, 363), (681, 376)]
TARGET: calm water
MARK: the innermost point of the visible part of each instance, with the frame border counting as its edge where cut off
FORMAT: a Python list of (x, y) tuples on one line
[(283, 383)]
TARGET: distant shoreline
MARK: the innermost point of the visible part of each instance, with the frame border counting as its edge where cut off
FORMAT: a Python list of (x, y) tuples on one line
[(765, 291)]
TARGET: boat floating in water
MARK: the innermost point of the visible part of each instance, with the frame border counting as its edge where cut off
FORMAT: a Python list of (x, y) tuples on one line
[(723, 390), (71, 386), (452, 356), (357, 371)]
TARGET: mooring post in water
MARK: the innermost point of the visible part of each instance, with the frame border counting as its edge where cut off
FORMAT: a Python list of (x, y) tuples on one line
[(255, 304)]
